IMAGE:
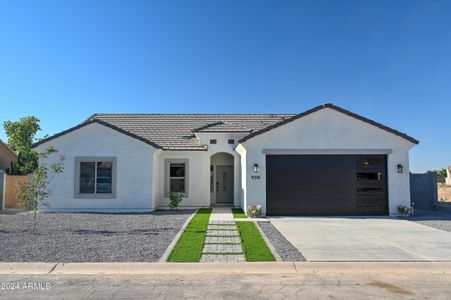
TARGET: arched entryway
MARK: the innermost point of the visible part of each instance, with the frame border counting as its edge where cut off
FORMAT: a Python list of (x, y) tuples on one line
[(222, 179)]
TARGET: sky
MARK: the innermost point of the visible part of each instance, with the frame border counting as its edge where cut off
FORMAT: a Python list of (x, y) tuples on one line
[(389, 61)]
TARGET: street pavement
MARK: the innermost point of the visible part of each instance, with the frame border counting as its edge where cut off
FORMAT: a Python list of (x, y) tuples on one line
[(321, 285)]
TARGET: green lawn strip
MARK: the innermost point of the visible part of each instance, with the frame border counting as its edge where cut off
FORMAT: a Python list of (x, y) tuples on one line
[(189, 246), (254, 246), (238, 213)]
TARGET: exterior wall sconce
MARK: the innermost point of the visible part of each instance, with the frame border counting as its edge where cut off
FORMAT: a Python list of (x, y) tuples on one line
[(400, 169), (256, 168)]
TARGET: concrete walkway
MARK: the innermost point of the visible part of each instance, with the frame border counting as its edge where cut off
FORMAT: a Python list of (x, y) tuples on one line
[(364, 239), (222, 242)]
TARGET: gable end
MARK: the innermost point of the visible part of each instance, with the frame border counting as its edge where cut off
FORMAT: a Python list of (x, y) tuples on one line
[(98, 122), (336, 108)]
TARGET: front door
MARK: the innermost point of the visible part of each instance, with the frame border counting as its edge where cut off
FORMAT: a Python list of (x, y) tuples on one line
[(224, 184)]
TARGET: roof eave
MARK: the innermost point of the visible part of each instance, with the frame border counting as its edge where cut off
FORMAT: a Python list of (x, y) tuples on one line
[(92, 121)]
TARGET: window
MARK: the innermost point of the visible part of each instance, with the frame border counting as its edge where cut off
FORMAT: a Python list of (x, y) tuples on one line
[(363, 176), (231, 141), (177, 176), (370, 162), (213, 141), (95, 177)]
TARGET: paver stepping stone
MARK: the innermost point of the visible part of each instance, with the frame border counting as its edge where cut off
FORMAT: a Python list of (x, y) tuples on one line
[(223, 233), (222, 240), (222, 258), (222, 227), (222, 248)]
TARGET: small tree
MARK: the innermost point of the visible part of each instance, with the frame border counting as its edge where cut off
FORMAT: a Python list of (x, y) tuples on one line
[(34, 194), (21, 135), (174, 200)]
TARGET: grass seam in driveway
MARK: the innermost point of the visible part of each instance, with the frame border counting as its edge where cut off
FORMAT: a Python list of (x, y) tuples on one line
[(189, 246), (254, 246)]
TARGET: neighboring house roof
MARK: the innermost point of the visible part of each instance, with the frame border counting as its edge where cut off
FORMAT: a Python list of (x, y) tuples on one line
[(175, 131), (6, 156)]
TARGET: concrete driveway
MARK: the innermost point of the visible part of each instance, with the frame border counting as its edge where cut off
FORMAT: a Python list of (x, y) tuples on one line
[(364, 239)]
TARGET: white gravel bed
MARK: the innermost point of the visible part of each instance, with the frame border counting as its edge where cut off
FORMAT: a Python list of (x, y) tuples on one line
[(83, 237), (285, 249), (434, 219)]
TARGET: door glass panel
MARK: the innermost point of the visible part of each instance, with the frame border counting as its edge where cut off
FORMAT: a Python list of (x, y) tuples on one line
[(104, 177), (212, 180), (224, 181), (87, 177)]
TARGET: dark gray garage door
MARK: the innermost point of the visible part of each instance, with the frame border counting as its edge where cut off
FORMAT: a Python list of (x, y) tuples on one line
[(326, 184)]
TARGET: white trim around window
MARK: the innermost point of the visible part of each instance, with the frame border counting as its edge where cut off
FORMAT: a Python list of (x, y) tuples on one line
[(95, 188), (180, 166)]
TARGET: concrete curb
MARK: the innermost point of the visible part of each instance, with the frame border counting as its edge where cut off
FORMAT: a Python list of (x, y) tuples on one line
[(224, 268), (171, 246)]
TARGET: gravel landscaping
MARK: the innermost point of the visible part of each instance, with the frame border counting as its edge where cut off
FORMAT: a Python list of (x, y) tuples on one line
[(285, 249), (70, 237), (434, 219)]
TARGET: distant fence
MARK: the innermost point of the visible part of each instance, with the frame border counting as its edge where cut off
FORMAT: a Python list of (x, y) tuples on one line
[(2, 174), (10, 182), (423, 190)]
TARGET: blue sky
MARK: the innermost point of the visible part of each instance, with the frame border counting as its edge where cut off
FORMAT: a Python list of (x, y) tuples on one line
[(386, 60)]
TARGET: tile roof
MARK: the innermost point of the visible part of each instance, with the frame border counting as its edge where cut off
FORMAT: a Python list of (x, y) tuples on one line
[(177, 131), (223, 127)]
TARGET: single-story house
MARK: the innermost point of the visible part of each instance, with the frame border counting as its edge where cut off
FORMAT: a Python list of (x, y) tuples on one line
[(325, 161), (7, 157)]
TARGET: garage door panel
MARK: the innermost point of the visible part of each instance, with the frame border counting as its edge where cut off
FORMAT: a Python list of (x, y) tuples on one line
[(326, 185), (316, 191), (307, 177), (312, 207)]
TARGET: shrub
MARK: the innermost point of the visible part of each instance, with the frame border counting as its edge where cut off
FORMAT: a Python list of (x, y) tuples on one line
[(254, 211), (174, 200), (405, 210)]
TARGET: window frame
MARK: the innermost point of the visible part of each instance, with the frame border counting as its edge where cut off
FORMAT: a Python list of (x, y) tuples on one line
[(167, 178), (95, 159)]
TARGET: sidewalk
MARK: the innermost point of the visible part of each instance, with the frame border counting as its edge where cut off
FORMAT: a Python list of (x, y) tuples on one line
[(224, 268)]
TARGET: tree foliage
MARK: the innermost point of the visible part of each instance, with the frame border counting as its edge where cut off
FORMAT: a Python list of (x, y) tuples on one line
[(440, 173), (21, 135), (33, 195)]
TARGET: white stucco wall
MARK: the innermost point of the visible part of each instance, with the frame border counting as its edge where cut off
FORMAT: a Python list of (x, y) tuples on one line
[(327, 129), (199, 171), (134, 187)]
